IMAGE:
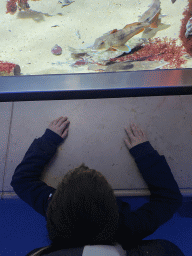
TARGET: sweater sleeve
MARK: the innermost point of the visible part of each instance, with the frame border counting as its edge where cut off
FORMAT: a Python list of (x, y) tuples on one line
[(26, 179), (165, 197)]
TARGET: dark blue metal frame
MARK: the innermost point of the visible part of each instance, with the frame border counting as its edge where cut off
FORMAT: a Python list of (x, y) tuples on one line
[(96, 85)]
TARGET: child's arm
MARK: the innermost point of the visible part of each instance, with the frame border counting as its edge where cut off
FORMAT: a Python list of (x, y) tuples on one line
[(26, 179), (165, 198)]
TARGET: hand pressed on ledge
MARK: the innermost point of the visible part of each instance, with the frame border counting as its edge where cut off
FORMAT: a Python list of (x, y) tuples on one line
[(136, 136), (60, 126)]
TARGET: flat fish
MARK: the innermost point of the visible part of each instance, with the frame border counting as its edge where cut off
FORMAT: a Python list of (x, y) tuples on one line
[(129, 66)]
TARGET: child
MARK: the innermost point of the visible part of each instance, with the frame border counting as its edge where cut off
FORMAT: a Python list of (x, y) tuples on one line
[(83, 215)]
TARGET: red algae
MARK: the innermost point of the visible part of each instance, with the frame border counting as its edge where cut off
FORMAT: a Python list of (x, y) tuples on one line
[(12, 5), (6, 66), (9, 69), (158, 49), (186, 42)]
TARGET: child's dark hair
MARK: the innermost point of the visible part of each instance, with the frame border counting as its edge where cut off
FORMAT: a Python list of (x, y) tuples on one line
[(83, 211)]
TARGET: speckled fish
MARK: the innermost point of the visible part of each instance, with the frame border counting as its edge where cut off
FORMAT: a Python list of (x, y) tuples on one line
[(152, 14), (116, 39)]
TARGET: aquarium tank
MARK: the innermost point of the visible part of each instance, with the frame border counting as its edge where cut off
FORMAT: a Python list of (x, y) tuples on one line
[(40, 37)]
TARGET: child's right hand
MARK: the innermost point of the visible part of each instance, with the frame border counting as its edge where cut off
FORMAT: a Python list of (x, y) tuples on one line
[(136, 136)]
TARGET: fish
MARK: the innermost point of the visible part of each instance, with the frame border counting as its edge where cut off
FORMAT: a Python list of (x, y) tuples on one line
[(65, 2), (116, 39), (173, 1), (129, 66), (188, 28), (102, 57), (152, 14)]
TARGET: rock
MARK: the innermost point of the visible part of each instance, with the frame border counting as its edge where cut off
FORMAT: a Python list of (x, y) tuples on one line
[(56, 50)]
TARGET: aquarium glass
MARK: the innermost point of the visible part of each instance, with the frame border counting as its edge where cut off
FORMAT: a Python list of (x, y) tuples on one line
[(41, 37)]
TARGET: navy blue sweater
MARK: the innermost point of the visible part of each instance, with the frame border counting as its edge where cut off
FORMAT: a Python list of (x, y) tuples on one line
[(165, 198)]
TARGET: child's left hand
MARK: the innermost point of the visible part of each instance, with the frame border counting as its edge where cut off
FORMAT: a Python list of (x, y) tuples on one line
[(60, 126)]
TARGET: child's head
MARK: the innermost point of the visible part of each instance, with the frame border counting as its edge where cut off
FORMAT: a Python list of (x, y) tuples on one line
[(83, 210)]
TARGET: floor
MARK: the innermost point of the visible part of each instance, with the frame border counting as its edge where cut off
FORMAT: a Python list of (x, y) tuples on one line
[(167, 121), (23, 229)]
